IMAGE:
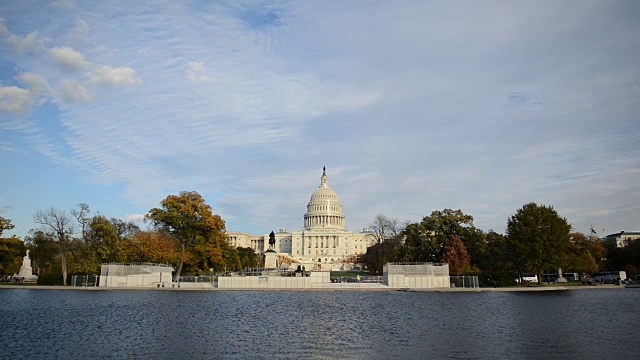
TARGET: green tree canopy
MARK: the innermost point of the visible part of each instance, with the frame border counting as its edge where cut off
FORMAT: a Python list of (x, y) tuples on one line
[(45, 251), (12, 251), (425, 241), (586, 254), (5, 224), (248, 257), (538, 239), (496, 265), (186, 217)]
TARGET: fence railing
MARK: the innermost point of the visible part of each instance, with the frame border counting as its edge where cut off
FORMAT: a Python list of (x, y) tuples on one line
[(85, 280), (139, 281), (416, 263), (363, 280), (467, 282)]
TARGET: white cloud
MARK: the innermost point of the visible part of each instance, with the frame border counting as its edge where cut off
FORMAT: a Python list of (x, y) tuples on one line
[(78, 34), (63, 4), (36, 84), (105, 75), (73, 92), (31, 43), (195, 73), (136, 218), (8, 147), (3, 29), (67, 58), (15, 101), (412, 125)]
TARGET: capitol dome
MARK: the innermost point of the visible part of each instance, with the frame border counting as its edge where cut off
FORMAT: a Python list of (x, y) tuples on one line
[(324, 211)]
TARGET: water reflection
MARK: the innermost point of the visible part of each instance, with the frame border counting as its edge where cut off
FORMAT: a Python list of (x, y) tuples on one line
[(297, 325)]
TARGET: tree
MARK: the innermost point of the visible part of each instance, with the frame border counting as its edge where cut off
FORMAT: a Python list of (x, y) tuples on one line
[(425, 241), (625, 258), (381, 254), (103, 239), (81, 249), (149, 246), (11, 252), (214, 253), (44, 250), (538, 238), (475, 241), (383, 229), (496, 264), (248, 257), (82, 217), (586, 254), (186, 217), (5, 224), (61, 224), (11, 249), (455, 254)]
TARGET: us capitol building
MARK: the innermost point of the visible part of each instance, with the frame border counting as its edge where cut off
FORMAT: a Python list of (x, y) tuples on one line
[(323, 244)]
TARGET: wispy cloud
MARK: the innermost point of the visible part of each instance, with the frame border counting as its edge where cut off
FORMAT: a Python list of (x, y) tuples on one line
[(196, 73), (105, 75), (413, 106)]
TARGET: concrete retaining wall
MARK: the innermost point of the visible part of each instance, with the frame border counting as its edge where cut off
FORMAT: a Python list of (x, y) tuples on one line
[(314, 280), (417, 281)]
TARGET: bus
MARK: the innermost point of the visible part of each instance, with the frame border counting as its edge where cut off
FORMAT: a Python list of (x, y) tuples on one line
[(571, 276), (609, 277)]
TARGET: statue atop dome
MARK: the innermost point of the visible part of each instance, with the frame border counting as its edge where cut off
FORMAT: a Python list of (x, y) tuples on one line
[(323, 180)]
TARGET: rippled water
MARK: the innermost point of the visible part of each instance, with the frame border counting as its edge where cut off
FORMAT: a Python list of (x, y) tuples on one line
[(580, 324)]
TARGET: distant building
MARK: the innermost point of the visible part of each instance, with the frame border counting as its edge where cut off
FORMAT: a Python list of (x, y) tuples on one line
[(323, 244), (622, 238)]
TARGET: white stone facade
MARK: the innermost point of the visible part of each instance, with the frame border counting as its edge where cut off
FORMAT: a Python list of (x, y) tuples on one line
[(623, 238), (416, 276), (135, 275), (324, 243)]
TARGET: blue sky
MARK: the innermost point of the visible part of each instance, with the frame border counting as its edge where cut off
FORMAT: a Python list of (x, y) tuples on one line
[(413, 106)]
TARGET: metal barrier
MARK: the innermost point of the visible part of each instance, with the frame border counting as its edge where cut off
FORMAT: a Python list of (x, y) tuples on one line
[(197, 279), (412, 268), (85, 280), (363, 280), (144, 281), (467, 282)]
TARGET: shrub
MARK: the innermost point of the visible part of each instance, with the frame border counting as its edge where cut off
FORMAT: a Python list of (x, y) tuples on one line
[(50, 278)]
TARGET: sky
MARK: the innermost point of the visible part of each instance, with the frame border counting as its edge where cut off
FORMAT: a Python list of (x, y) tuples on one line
[(413, 106)]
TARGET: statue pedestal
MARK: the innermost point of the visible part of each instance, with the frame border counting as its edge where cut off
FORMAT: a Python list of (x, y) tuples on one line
[(270, 260), (25, 270)]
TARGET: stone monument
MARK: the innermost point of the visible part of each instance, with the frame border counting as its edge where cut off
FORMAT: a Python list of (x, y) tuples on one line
[(271, 256), (25, 270)]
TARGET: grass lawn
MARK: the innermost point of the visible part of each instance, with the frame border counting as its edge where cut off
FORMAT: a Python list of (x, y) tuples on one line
[(348, 274)]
